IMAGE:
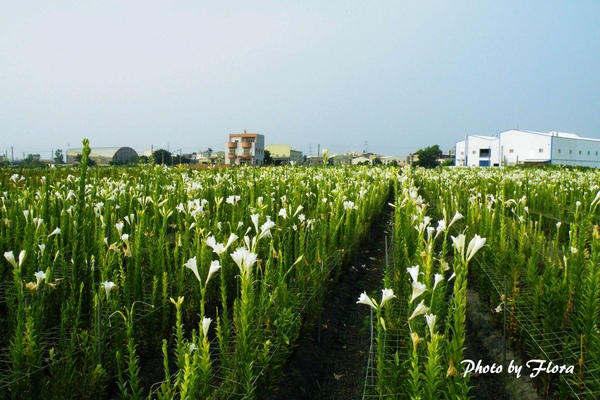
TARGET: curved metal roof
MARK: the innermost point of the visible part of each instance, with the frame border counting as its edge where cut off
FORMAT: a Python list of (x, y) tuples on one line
[(101, 151)]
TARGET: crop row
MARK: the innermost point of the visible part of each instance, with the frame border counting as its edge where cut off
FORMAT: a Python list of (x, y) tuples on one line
[(538, 263), (169, 283)]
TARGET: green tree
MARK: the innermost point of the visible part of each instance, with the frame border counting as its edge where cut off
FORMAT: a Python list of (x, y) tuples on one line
[(32, 159), (162, 156), (428, 157), (268, 159), (59, 158), (177, 159)]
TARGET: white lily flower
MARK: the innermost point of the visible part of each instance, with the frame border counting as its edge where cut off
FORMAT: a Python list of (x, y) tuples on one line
[(364, 299), (232, 238), (21, 257), (474, 245), (205, 325), (419, 310), (437, 278), (441, 227), (265, 229), (459, 245), (191, 264), (37, 222), (119, 226), (108, 287), (214, 267), (254, 218), (596, 199), (430, 230), (55, 232), (10, 257), (414, 272), (418, 289), (456, 217), (42, 247), (386, 295), (217, 247), (430, 318), (283, 213), (300, 208), (39, 277), (244, 259)]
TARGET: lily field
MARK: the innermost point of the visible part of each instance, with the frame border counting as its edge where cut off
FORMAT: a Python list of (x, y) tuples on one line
[(175, 283)]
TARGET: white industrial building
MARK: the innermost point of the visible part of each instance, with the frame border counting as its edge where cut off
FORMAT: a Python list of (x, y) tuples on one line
[(478, 151), (521, 147)]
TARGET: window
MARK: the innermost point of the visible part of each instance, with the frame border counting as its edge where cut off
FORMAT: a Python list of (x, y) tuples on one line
[(511, 150), (473, 151), (588, 153), (541, 150), (570, 151), (462, 153), (484, 152), (579, 152), (558, 151)]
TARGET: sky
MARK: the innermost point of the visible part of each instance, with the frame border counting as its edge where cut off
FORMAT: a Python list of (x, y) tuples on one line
[(389, 77)]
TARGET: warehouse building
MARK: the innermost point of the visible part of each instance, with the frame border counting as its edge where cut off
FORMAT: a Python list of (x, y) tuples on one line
[(105, 155), (514, 147)]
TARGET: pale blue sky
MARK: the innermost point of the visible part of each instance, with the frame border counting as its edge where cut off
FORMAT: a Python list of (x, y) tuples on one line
[(401, 75)]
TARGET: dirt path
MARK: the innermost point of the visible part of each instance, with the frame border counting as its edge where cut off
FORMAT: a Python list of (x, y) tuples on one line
[(330, 363), (486, 344)]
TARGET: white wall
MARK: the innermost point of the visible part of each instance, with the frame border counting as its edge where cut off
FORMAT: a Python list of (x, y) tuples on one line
[(575, 151), (518, 147), (476, 148), (460, 155)]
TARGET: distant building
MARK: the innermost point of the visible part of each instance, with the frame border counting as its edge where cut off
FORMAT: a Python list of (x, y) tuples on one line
[(106, 155), (340, 159), (361, 160), (478, 151), (401, 161), (282, 154), (514, 147), (245, 149)]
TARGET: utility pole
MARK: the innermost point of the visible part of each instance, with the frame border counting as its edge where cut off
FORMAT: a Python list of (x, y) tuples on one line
[(318, 153)]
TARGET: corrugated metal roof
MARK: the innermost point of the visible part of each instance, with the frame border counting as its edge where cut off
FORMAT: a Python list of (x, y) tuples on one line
[(99, 151)]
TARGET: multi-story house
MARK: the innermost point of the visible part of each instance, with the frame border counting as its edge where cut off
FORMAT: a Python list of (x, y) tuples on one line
[(245, 149)]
